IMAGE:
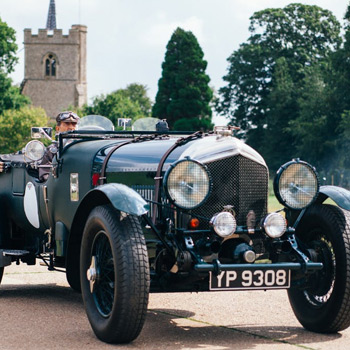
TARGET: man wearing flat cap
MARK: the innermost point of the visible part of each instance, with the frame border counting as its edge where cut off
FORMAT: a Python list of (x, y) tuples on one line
[(66, 121)]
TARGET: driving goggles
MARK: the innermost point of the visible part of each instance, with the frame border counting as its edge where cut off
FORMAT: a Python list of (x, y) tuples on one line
[(67, 116)]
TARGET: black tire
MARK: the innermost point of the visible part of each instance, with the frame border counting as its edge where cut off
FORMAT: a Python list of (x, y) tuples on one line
[(323, 305), (1, 273), (73, 279), (73, 269), (113, 243)]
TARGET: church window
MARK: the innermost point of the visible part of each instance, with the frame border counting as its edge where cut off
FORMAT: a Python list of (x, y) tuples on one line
[(50, 65)]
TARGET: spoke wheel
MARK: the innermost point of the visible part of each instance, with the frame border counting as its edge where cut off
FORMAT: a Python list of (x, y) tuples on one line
[(114, 274), (322, 282), (101, 274), (322, 303)]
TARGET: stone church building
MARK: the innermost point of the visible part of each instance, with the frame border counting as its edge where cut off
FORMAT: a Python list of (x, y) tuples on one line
[(55, 66)]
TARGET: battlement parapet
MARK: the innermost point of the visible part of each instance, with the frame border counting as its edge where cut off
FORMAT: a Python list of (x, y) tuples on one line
[(56, 36)]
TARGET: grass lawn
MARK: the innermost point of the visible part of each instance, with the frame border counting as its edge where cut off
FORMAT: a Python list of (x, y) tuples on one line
[(273, 204)]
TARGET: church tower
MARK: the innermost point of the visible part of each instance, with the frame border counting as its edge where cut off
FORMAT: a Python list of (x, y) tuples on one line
[(55, 66)]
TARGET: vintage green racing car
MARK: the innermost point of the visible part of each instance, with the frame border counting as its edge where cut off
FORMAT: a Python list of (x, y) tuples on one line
[(125, 213)]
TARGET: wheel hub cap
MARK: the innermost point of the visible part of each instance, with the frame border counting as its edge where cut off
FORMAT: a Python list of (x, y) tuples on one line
[(92, 274)]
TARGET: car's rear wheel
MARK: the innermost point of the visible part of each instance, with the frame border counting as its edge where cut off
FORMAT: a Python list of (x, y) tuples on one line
[(1, 273), (114, 274), (323, 304)]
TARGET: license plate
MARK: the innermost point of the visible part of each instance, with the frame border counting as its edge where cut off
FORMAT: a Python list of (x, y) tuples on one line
[(250, 279)]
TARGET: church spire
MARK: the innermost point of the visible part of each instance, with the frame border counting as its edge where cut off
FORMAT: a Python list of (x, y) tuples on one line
[(51, 17)]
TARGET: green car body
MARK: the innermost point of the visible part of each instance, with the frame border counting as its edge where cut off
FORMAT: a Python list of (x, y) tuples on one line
[(128, 213)]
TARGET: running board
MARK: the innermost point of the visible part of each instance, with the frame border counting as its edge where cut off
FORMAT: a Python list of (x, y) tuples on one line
[(8, 255)]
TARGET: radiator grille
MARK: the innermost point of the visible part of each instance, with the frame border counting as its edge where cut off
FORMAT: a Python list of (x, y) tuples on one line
[(239, 182)]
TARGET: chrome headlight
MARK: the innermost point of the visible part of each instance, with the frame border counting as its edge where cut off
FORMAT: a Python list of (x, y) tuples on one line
[(296, 184), (187, 183), (224, 224), (34, 150), (274, 225)]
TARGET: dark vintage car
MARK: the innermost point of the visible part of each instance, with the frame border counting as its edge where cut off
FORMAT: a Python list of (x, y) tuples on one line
[(128, 213)]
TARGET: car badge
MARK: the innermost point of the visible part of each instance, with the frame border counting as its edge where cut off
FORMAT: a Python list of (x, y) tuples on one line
[(229, 208)]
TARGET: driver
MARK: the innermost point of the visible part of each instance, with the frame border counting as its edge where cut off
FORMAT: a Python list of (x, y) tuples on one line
[(66, 121)]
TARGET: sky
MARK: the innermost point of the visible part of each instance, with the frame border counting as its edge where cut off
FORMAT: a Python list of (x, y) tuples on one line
[(126, 41)]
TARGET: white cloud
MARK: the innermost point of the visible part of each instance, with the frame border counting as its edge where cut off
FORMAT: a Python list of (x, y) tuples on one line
[(159, 34)]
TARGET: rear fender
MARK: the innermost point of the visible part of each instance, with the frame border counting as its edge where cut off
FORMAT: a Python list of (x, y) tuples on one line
[(339, 195)]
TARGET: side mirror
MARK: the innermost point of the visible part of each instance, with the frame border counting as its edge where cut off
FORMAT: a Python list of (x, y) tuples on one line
[(38, 132)]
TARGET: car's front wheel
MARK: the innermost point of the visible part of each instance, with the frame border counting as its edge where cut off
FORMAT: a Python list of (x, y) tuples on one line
[(114, 274), (323, 304)]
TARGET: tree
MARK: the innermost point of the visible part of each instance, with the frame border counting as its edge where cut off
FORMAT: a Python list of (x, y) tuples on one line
[(10, 96), (8, 48), (341, 70), (344, 129), (275, 138), (138, 93), (193, 124), (302, 36), (339, 97), (15, 127), (183, 90), (313, 134), (131, 102)]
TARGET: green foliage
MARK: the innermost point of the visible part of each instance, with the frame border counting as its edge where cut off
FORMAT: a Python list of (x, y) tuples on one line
[(193, 124), (10, 96), (113, 106), (275, 140), (131, 102), (8, 48), (138, 93), (15, 126), (339, 79), (183, 90), (312, 130), (344, 139), (321, 129), (269, 76)]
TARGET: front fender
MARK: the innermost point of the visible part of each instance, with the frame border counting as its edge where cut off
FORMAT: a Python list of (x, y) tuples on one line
[(339, 195), (122, 197)]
